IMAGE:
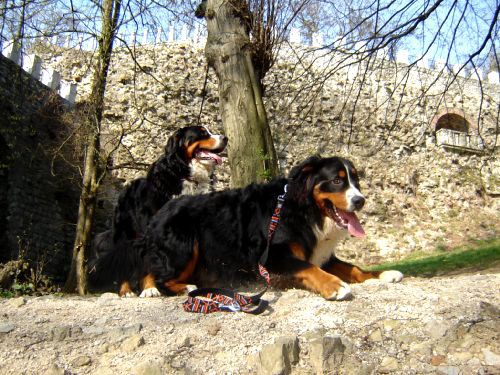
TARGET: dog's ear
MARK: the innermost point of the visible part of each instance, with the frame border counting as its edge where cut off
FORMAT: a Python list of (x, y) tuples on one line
[(174, 144), (305, 168), (171, 146), (302, 178)]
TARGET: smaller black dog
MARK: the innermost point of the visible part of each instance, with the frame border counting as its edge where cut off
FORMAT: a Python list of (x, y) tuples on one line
[(186, 167)]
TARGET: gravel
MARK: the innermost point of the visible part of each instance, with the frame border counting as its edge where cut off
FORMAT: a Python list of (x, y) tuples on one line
[(442, 325)]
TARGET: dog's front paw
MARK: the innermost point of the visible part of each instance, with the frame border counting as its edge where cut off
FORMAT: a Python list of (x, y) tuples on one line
[(150, 292), (190, 288), (342, 293), (392, 276), (128, 295)]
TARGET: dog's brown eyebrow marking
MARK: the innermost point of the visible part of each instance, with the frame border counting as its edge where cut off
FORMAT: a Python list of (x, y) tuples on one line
[(341, 173)]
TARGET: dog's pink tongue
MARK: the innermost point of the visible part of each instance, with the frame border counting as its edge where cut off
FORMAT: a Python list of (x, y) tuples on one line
[(210, 155), (353, 225)]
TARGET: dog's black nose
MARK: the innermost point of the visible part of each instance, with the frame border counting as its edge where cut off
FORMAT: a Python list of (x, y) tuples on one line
[(225, 139), (358, 202)]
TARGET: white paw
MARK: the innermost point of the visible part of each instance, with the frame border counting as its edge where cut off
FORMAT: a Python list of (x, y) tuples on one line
[(190, 288), (150, 292), (343, 293), (129, 295), (392, 276)]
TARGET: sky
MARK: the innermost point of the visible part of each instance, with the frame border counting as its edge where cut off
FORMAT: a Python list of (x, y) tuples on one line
[(463, 31), (454, 31)]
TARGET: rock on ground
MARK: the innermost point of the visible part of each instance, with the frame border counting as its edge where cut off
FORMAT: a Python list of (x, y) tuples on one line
[(445, 325)]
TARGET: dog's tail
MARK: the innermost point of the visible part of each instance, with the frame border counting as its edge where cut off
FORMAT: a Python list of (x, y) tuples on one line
[(113, 262)]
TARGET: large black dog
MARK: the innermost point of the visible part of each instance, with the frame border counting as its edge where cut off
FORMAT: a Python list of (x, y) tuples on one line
[(223, 234), (186, 167)]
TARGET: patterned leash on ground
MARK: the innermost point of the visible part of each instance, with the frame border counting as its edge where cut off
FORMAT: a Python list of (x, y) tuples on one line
[(209, 300)]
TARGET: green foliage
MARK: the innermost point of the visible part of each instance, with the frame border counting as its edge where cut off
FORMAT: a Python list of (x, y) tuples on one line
[(23, 288), (266, 173), (6, 293), (480, 256), (18, 289), (263, 156), (28, 278)]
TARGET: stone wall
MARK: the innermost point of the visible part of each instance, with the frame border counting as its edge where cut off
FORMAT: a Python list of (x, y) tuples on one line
[(38, 202), (420, 196)]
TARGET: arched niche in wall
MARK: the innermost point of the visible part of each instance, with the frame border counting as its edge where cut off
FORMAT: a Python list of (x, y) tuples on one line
[(453, 119), (454, 130)]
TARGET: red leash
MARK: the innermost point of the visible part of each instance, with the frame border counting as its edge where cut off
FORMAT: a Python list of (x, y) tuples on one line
[(209, 300)]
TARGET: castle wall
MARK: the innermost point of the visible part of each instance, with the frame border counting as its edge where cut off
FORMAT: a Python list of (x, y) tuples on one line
[(420, 196), (38, 202)]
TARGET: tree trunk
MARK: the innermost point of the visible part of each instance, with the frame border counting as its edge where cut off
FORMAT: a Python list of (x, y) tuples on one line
[(77, 278), (251, 152)]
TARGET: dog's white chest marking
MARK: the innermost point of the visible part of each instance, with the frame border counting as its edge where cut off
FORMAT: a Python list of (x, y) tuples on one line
[(200, 179), (328, 237)]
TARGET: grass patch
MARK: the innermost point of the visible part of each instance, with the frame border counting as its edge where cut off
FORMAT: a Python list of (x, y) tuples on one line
[(482, 255)]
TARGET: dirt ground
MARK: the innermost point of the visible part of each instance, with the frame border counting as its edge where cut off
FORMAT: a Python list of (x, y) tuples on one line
[(442, 325)]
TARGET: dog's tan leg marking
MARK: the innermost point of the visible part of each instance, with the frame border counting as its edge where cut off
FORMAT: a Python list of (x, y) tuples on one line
[(353, 274), (149, 287), (126, 290), (350, 273), (179, 285), (329, 286)]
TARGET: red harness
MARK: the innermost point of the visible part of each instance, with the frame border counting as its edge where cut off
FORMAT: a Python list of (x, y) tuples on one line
[(209, 300)]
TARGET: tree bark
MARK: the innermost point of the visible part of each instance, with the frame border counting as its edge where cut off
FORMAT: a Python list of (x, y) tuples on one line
[(77, 278), (251, 152)]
